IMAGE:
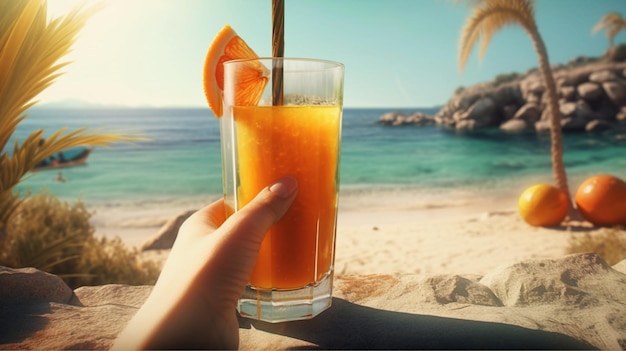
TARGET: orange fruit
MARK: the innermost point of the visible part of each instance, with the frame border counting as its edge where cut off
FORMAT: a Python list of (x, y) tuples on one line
[(543, 205), (252, 77), (601, 199)]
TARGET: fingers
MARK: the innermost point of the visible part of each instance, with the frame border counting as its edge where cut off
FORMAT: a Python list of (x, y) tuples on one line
[(204, 221), (212, 215), (255, 218), (234, 247)]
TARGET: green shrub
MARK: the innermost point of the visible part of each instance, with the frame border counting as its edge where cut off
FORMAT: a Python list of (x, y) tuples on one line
[(610, 243), (505, 77), (56, 237)]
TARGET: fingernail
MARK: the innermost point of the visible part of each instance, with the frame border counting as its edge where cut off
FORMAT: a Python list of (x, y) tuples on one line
[(284, 187)]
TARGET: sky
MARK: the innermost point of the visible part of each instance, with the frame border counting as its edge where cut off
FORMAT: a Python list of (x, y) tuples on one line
[(397, 53)]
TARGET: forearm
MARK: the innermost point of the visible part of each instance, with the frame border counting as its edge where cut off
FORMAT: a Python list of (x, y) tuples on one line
[(183, 325)]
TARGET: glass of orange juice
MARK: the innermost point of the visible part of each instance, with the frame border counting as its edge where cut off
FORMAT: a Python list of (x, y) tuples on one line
[(266, 136)]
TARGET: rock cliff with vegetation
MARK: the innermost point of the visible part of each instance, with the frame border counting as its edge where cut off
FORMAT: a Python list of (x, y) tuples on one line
[(592, 97)]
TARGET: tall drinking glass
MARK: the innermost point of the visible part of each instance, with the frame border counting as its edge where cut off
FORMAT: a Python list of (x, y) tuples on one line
[(266, 137)]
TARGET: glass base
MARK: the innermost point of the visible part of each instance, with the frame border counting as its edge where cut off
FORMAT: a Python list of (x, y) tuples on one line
[(275, 305)]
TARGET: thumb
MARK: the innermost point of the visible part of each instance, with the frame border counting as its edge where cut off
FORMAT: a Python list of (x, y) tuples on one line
[(241, 236), (254, 219)]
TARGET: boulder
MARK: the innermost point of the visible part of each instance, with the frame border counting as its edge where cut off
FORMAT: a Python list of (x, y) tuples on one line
[(399, 119), (420, 119), (598, 125), (466, 124), (564, 81), (30, 284), (573, 123), (578, 110), (568, 93), (530, 113), (542, 126), (571, 302), (575, 115), (602, 76), (389, 118), (509, 111), (165, 237), (483, 112), (605, 111), (514, 125), (589, 91), (616, 91), (532, 86)]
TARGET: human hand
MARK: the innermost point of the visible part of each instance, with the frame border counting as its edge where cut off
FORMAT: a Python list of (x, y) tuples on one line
[(193, 302)]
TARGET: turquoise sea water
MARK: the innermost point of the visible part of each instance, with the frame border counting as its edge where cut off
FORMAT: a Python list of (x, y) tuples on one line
[(182, 161)]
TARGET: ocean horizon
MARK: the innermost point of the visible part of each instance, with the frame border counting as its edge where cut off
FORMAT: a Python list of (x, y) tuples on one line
[(180, 167)]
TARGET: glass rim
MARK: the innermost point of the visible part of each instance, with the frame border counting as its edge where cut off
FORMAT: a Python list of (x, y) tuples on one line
[(300, 59)]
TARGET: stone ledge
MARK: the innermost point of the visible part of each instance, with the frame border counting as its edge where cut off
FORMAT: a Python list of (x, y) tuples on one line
[(573, 302)]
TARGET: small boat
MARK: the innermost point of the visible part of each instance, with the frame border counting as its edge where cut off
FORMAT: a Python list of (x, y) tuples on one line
[(67, 158)]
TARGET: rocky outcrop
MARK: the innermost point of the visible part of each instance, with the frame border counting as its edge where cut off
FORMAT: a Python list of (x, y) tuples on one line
[(165, 237), (400, 119), (592, 97), (573, 302), (30, 284)]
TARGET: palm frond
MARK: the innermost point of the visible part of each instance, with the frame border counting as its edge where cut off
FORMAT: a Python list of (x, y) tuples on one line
[(612, 23), (12, 48), (10, 12), (30, 152), (30, 53), (611, 19), (489, 16)]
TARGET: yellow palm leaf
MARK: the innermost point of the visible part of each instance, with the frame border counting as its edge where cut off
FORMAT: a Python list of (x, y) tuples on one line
[(30, 51), (489, 17), (612, 23), (609, 20)]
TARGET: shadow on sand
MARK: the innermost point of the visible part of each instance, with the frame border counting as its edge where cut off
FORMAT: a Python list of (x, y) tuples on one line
[(20, 321), (349, 326)]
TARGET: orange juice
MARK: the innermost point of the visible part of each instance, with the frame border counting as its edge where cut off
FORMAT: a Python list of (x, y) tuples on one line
[(299, 141)]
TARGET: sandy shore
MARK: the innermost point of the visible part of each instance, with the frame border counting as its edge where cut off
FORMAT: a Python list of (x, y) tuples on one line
[(406, 233), (440, 241)]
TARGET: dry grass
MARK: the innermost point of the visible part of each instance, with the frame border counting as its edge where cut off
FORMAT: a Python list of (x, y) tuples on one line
[(56, 237), (610, 243)]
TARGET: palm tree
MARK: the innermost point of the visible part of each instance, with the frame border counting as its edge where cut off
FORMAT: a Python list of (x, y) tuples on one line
[(488, 17), (612, 23), (30, 50)]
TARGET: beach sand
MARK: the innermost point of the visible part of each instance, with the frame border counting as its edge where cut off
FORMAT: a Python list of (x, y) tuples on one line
[(453, 233), (440, 241), (459, 233)]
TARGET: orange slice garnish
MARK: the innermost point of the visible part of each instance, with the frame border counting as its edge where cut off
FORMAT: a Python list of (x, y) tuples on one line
[(251, 77)]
